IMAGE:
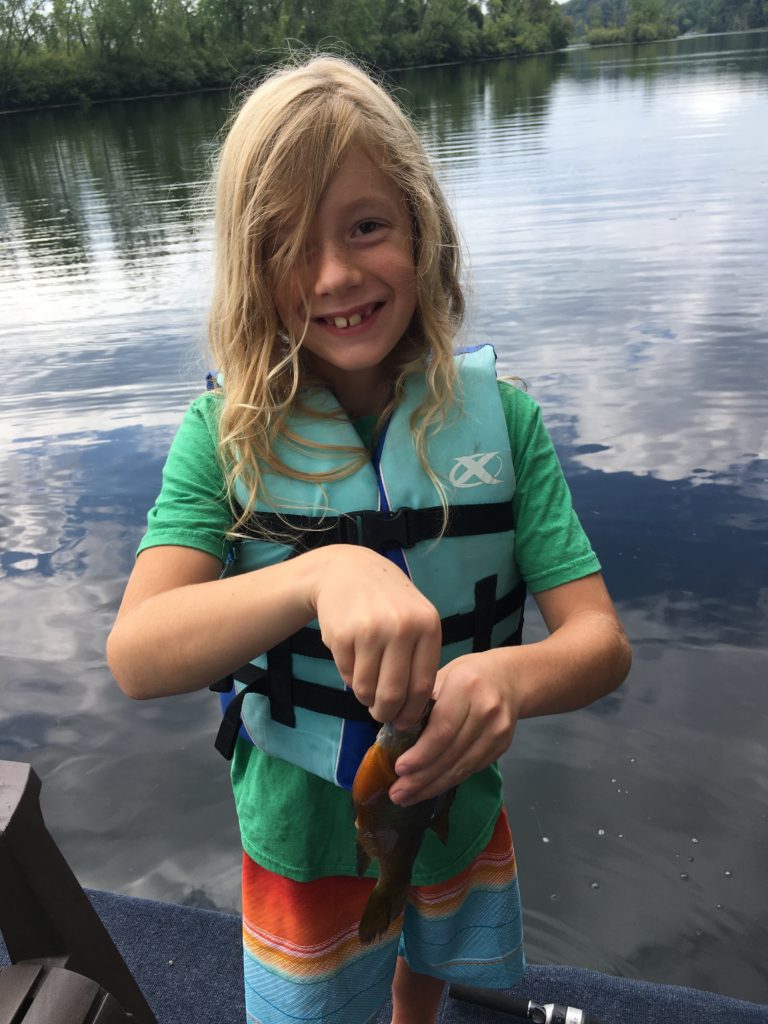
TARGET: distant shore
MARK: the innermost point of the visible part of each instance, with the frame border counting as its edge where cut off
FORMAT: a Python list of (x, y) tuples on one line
[(235, 83)]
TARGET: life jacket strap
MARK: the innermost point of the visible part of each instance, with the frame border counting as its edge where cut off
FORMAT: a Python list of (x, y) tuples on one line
[(379, 530), (280, 684), (484, 613), (285, 692), (297, 693), (455, 628)]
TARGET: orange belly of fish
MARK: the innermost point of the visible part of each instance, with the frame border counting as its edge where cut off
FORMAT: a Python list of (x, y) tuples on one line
[(374, 776), (390, 834)]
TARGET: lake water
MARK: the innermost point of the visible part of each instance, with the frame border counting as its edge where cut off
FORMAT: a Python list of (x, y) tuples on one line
[(615, 207)]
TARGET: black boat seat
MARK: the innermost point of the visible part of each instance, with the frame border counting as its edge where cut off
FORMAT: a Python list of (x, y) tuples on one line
[(65, 968), (40, 994)]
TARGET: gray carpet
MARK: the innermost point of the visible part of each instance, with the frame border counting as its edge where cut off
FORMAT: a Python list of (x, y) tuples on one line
[(188, 964)]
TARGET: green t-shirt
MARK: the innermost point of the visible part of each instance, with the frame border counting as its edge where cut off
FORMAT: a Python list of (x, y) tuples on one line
[(293, 822)]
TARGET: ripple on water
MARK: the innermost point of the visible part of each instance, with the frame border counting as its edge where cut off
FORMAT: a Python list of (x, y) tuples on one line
[(625, 283)]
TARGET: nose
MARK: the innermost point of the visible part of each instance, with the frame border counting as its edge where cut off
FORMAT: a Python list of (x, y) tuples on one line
[(334, 269)]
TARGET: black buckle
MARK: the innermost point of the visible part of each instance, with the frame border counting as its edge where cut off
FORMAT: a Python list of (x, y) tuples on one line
[(378, 530)]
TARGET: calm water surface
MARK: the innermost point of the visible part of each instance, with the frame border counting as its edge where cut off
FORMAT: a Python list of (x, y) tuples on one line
[(615, 207)]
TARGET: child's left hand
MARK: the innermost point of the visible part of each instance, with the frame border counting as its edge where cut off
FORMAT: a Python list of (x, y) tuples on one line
[(471, 725), (479, 697)]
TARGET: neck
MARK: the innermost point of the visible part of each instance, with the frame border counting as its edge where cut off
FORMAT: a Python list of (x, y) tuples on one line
[(363, 393), (356, 405)]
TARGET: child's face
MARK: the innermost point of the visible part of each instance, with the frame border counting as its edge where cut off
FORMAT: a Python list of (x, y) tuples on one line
[(359, 280)]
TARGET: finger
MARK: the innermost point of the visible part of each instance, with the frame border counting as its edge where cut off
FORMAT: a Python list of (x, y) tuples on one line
[(449, 772), (344, 656), (365, 676), (475, 747), (393, 680), (439, 738), (412, 789), (440, 758), (423, 670)]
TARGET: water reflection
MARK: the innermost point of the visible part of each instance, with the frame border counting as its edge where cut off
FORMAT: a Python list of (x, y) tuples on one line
[(452, 102), (105, 199), (614, 205), (737, 54), (610, 820)]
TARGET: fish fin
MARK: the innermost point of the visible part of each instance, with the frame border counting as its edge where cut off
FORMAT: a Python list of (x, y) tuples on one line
[(439, 823), (362, 861), (380, 911)]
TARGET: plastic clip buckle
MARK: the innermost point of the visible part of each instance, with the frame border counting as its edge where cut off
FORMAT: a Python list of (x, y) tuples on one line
[(380, 530)]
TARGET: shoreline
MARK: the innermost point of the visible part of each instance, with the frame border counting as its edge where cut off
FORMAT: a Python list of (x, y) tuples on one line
[(87, 101)]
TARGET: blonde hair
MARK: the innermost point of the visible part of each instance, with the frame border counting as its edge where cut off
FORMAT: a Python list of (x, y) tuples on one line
[(280, 153)]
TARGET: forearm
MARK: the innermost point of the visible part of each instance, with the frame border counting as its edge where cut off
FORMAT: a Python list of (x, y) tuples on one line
[(185, 638), (585, 658), (181, 628)]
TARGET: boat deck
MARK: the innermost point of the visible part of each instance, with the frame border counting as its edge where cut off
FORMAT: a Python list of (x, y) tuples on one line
[(188, 964)]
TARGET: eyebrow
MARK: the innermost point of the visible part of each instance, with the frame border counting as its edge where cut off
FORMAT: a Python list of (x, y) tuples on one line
[(361, 204), (364, 202)]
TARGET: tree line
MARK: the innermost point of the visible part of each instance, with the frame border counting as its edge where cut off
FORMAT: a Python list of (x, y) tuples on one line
[(64, 51), (621, 21)]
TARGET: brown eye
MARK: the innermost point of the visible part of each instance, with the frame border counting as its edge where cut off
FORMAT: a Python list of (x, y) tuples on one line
[(367, 227)]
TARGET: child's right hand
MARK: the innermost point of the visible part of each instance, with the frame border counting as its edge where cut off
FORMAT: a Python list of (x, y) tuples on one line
[(180, 627), (383, 633)]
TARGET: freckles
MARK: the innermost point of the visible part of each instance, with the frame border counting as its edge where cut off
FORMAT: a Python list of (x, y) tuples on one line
[(403, 270), (406, 267), (409, 285)]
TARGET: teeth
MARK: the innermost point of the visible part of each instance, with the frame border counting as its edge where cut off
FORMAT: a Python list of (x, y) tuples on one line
[(352, 321)]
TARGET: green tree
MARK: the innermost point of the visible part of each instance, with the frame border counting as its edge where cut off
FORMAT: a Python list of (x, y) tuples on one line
[(65, 26), (22, 23), (69, 50), (446, 32), (643, 15), (525, 26)]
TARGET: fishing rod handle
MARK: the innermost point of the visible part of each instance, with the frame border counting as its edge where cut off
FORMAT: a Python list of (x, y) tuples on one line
[(547, 1013), (490, 1000)]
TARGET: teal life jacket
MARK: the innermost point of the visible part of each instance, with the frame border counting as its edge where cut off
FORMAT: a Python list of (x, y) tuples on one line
[(291, 701)]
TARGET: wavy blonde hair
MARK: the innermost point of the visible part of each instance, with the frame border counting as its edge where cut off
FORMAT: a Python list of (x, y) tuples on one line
[(280, 152)]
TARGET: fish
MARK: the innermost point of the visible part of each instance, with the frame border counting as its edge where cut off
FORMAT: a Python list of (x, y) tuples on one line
[(387, 832)]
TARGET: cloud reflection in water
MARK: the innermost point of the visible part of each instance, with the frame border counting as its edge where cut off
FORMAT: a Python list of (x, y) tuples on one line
[(619, 269)]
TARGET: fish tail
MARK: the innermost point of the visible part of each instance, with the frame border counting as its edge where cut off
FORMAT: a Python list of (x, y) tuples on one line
[(382, 908)]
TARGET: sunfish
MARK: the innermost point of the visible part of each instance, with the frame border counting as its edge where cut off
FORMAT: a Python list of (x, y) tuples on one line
[(387, 832)]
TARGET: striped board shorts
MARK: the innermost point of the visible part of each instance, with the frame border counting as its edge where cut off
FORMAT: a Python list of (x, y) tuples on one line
[(303, 961)]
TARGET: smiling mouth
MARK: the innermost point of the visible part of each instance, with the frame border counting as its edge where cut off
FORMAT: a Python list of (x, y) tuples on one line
[(354, 320)]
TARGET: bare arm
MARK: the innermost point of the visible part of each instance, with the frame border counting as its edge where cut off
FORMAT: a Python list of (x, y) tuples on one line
[(586, 655), (480, 697), (180, 627)]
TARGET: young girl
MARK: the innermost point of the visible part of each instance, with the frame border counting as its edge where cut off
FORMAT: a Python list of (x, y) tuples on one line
[(379, 504)]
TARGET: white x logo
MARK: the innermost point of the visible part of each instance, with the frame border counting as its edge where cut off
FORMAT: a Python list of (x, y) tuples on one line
[(470, 471)]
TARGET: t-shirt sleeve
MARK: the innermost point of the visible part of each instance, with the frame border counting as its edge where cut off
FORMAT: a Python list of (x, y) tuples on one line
[(551, 547), (192, 509)]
